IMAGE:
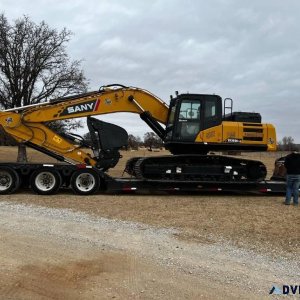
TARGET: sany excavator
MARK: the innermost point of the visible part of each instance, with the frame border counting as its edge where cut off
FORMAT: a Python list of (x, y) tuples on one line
[(191, 126)]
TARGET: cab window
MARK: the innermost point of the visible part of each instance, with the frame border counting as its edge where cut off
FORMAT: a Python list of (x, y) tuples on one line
[(189, 119), (212, 112)]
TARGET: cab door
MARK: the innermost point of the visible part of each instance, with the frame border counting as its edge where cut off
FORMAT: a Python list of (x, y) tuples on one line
[(191, 113), (189, 120)]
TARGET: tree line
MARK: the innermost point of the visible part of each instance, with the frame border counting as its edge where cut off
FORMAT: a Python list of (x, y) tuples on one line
[(287, 144), (150, 140)]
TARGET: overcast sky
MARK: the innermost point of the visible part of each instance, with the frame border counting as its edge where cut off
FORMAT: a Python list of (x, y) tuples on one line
[(246, 50)]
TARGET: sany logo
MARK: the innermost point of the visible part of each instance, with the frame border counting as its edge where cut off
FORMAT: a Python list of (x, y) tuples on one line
[(84, 107), (286, 290), (80, 108)]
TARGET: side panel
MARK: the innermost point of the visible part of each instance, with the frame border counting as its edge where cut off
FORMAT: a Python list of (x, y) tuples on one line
[(240, 134), (272, 142), (210, 135)]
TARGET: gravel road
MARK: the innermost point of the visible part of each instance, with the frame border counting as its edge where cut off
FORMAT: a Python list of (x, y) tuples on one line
[(51, 253)]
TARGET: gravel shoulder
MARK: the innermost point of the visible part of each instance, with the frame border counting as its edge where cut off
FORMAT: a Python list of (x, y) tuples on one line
[(54, 253)]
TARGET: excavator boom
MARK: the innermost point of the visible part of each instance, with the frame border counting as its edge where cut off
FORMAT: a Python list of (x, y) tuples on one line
[(106, 101)]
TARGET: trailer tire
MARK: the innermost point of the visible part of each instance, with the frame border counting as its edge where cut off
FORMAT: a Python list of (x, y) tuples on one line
[(85, 182), (10, 180), (45, 181)]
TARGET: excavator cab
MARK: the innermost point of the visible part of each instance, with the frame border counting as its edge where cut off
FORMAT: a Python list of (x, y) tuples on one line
[(188, 115)]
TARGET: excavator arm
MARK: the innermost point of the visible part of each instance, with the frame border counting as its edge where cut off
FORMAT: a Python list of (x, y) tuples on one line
[(29, 124)]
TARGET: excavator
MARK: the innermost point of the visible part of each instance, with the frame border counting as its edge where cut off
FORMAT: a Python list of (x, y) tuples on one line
[(193, 127)]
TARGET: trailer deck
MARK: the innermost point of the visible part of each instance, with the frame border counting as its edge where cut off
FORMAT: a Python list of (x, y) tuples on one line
[(132, 185)]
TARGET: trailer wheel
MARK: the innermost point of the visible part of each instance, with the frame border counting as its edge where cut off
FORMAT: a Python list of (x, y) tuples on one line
[(45, 181), (85, 182), (9, 180)]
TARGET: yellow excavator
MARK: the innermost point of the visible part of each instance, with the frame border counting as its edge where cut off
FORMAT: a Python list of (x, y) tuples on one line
[(191, 126)]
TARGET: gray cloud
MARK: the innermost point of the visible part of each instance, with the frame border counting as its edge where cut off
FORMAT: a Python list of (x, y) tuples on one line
[(245, 50)]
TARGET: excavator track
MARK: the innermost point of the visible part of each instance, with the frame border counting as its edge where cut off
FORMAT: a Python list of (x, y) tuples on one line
[(197, 167), (130, 166)]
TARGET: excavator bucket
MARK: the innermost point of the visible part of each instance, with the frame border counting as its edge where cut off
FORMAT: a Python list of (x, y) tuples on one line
[(107, 139)]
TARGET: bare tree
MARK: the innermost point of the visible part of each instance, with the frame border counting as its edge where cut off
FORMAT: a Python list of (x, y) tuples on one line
[(35, 66), (134, 141), (287, 144), (152, 140)]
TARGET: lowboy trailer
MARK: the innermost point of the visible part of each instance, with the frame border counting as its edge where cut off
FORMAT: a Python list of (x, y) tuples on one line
[(36, 176)]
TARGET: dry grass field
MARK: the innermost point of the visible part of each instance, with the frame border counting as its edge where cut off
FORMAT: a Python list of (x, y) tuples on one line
[(240, 230)]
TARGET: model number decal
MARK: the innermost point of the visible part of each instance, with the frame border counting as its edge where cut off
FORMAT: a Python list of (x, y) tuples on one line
[(230, 140), (79, 108), (210, 134)]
